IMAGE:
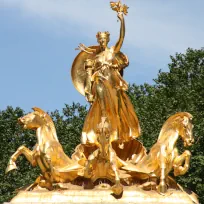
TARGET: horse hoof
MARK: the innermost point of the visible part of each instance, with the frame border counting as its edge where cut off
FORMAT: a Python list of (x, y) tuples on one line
[(162, 188), (117, 189), (179, 171), (11, 166), (46, 184)]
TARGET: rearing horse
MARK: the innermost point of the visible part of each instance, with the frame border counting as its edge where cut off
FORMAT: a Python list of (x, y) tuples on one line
[(48, 153), (164, 156)]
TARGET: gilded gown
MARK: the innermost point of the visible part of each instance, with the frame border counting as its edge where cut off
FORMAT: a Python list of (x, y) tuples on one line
[(110, 101)]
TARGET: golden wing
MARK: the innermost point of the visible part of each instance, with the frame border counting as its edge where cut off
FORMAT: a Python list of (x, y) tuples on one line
[(78, 72)]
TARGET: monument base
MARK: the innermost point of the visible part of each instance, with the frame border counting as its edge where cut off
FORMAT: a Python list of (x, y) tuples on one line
[(131, 195)]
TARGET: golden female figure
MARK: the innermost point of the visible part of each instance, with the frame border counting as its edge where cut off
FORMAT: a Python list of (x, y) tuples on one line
[(101, 82)]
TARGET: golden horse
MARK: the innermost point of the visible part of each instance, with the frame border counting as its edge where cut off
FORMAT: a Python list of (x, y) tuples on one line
[(48, 153), (164, 156)]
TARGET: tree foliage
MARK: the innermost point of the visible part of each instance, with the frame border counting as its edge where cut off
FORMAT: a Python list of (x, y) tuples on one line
[(179, 89)]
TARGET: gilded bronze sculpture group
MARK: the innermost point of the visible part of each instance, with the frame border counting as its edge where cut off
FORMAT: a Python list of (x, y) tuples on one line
[(109, 146)]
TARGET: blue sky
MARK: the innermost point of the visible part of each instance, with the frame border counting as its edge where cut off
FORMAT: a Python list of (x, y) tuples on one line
[(38, 40)]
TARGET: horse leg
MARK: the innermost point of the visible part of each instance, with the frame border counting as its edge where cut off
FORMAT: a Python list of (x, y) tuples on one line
[(21, 150), (40, 180), (162, 188), (36, 182), (46, 181), (117, 188), (88, 166), (178, 161)]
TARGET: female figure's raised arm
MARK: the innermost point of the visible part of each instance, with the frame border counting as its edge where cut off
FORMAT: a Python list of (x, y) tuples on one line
[(122, 33)]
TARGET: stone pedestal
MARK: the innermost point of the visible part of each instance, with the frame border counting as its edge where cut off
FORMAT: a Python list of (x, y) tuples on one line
[(130, 195)]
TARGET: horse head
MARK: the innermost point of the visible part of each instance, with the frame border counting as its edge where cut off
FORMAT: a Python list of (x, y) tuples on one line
[(31, 121), (186, 129), (38, 119), (181, 123)]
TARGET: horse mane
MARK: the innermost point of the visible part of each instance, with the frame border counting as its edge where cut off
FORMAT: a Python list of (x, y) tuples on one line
[(172, 120), (47, 119)]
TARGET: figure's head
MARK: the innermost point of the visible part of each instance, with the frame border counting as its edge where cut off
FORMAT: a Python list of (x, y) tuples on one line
[(103, 39)]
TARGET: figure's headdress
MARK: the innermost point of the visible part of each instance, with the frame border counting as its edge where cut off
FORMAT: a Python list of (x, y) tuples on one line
[(105, 34)]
